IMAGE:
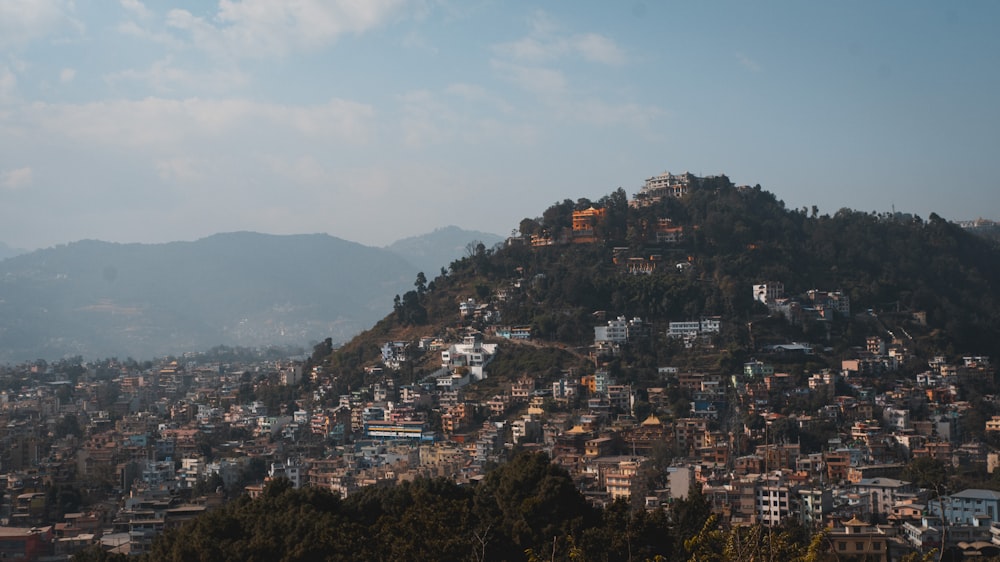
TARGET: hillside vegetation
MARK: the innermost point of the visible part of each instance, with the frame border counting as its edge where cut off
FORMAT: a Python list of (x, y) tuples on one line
[(926, 280)]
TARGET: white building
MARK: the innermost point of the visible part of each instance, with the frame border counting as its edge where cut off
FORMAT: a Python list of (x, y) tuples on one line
[(814, 505), (707, 325), (773, 500), (767, 293), (471, 353), (289, 469), (684, 329), (619, 331)]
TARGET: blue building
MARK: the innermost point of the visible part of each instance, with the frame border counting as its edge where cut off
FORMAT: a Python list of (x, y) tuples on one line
[(968, 507)]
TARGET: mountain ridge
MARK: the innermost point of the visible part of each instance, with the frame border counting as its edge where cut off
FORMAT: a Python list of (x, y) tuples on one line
[(96, 298)]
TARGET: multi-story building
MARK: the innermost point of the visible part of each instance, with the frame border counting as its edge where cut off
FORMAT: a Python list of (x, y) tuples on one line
[(859, 540), (837, 464), (769, 292), (757, 369), (775, 499), (690, 329), (885, 492), (968, 507), (663, 185), (618, 479), (585, 223), (668, 233), (814, 505), (689, 434), (619, 330), (472, 354)]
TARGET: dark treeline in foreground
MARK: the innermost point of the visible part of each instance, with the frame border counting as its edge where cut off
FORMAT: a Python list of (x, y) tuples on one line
[(527, 509)]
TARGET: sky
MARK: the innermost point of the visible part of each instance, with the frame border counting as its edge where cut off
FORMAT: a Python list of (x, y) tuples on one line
[(375, 120)]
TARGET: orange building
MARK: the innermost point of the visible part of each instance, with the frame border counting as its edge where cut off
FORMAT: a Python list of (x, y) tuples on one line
[(584, 223)]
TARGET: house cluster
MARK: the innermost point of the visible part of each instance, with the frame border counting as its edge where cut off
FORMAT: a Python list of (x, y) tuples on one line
[(172, 437), (813, 305), (830, 448), (853, 483)]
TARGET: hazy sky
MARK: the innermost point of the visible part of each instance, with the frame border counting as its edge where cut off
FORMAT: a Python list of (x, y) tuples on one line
[(374, 120)]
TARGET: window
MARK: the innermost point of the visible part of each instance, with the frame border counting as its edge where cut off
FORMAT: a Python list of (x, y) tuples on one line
[(859, 545), (842, 546)]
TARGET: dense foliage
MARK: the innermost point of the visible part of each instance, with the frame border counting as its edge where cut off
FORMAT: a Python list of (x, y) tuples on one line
[(526, 505)]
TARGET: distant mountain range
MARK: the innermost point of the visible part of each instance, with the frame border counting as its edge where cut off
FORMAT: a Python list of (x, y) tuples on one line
[(101, 299)]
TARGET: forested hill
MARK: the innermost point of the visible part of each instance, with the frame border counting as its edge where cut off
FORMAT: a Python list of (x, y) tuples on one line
[(928, 277), (926, 282)]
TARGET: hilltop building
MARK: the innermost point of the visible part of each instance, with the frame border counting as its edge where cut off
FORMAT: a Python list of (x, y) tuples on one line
[(664, 185)]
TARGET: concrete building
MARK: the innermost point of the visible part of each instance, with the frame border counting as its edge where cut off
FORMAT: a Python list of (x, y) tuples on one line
[(968, 507)]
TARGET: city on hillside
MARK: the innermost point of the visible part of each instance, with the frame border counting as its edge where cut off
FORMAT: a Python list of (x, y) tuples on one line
[(890, 451)]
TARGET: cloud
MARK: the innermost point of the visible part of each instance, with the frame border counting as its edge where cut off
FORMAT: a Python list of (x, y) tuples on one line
[(546, 43), (478, 94), (417, 41), (67, 75), (164, 76), (562, 101), (536, 79), (131, 28), (598, 48), (137, 9), (159, 121), (748, 63), (305, 170), (431, 118), (8, 85), (274, 28), (16, 179), (183, 169), (597, 112), (23, 21)]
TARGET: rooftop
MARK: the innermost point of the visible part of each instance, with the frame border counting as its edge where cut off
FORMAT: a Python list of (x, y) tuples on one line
[(977, 494)]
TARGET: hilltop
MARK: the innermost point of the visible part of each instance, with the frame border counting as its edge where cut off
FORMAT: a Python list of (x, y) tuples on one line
[(697, 253)]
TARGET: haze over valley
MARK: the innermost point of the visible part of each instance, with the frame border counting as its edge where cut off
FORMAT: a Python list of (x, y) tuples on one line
[(98, 299)]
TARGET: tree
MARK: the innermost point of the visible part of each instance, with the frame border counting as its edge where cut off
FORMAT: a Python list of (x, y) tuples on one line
[(68, 425), (690, 514), (322, 350), (529, 501), (928, 473), (421, 284), (95, 553), (528, 227), (756, 542)]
